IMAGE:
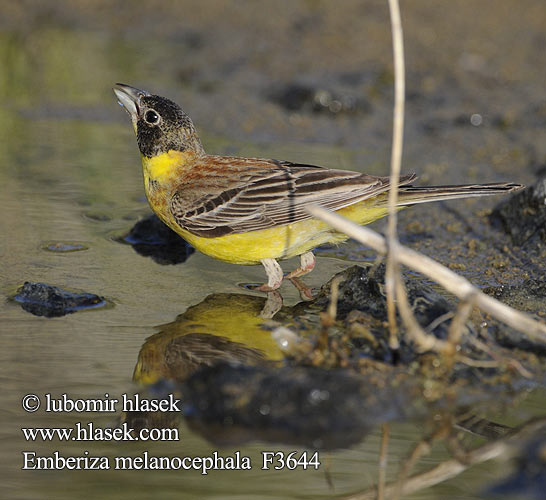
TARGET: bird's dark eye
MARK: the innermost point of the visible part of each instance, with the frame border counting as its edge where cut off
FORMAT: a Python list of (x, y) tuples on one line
[(151, 117)]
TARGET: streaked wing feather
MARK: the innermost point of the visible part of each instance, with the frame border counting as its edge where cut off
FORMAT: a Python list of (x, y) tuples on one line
[(272, 194)]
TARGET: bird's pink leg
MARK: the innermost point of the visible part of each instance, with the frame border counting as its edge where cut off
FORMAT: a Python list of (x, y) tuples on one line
[(274, 276), (307, 264)]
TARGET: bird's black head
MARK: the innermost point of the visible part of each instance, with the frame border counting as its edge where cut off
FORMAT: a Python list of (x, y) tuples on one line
[(160, 124)]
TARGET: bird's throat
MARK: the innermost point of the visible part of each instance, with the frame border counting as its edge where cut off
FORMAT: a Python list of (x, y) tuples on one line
[(164, 168)]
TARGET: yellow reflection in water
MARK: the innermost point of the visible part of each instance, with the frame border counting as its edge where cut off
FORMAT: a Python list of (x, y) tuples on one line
[(224, 327)]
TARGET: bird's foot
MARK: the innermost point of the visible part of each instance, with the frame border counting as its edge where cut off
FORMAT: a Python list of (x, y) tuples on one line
[(266, 287), (307, 264), (274, 276)]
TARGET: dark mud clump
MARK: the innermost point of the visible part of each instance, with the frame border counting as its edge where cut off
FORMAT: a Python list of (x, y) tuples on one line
[(298, 405), (519, 295), (523, 216), (151, 238), (362, 305), (529, 296), (50, 301), (359, 290)]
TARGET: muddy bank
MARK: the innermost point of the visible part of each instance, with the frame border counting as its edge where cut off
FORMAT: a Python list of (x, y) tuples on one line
[(338, 381)]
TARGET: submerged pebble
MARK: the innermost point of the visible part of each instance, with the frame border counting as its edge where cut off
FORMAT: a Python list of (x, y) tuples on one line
[(50, 301), (64, 247)]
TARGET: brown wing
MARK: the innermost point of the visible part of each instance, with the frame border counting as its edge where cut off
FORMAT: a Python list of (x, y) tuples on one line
[(261, 194)]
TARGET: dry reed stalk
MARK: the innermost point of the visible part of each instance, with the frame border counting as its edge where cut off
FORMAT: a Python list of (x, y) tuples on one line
[(383, 456), (393, 268)]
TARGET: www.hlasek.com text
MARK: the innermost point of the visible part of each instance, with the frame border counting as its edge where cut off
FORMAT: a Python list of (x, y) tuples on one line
[(90, 432)]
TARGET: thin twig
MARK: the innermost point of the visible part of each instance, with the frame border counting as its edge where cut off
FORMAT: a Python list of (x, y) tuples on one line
[(424, 341), (500, 358), (422, 448), (436, 322), (334, 296), (393, 268), (383, 455), (456, 328), (328, 317), (457, 323), (451, 281), (478, 363)]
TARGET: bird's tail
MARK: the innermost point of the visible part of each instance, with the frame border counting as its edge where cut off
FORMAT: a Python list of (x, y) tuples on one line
[(411, 195)]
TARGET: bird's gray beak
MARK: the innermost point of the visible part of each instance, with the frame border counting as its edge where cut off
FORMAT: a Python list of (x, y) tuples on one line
[(129, 97)]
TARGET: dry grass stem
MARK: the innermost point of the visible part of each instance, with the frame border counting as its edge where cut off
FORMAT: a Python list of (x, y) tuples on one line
[(328, 318), (334, 295), (498, 357), (452, 282), (438, 321), (393, 268), (383, 455), (422, 448), (457, 325), (424, 341)]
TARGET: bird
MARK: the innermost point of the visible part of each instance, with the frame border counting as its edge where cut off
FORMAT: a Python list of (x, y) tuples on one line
[(249, 211)]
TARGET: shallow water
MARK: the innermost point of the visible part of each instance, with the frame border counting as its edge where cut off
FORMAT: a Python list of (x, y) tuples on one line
[(70, 174)]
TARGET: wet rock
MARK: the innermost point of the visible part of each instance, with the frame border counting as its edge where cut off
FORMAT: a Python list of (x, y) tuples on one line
[(50, 301), (523, 216), (310, 99), (300, 405), (151, 238)]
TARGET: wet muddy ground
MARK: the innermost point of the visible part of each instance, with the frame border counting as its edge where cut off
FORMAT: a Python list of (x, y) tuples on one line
[(310, 82)]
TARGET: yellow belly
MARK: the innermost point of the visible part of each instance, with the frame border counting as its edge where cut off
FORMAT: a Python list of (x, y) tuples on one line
[(278, 242)]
